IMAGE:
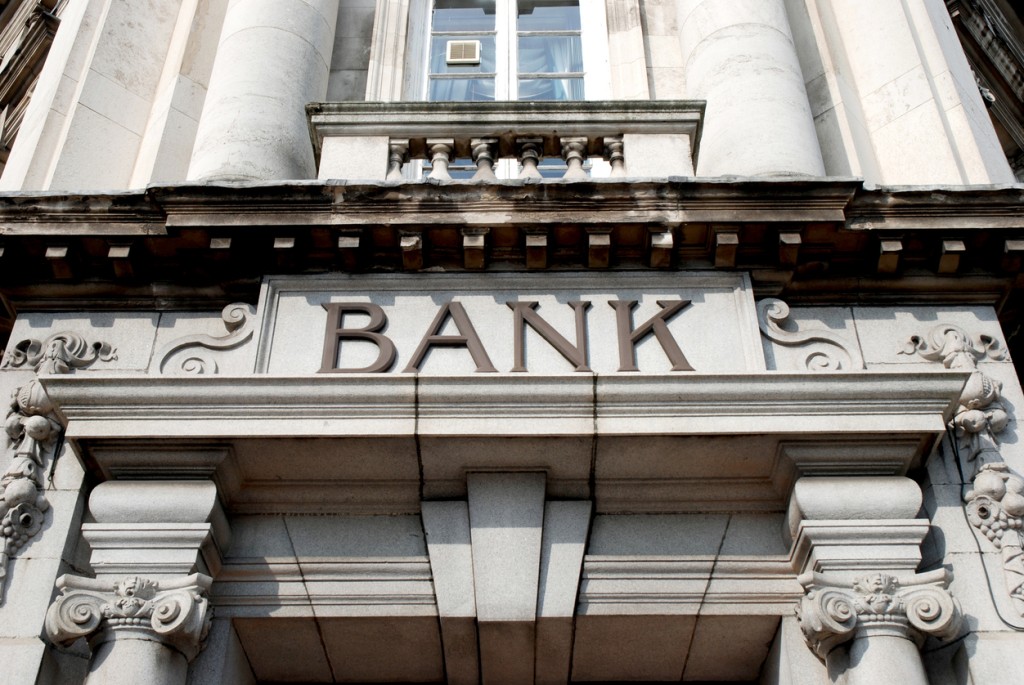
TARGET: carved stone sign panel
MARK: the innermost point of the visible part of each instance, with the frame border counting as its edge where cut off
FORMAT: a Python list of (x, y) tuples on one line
[(442, 324)]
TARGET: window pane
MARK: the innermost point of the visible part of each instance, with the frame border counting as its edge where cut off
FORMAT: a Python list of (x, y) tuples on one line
[(460, 168), (463, 15), (550, 54), (549, 15), (551, 89), (458, 89), (437, 56)]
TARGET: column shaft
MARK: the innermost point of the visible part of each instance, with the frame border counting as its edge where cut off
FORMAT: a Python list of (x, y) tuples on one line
[(740, 57), (130, 661), (273, 58), (879, 658)]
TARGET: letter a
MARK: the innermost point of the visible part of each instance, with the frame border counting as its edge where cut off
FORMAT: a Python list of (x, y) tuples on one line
[(467, 338)]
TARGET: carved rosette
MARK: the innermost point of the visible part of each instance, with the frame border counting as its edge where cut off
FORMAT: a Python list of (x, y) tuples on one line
[(832, 613), (175, 613)]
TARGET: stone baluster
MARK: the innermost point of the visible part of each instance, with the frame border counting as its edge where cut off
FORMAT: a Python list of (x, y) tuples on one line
[(398, 154), (573, 152), (483, 156), (440, 156), (613, 152), (866, 611), (155, 546), (740, 57), (273, 58), (530, 152)]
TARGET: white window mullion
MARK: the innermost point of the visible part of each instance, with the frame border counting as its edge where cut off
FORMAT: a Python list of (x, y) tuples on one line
[(597, 75), (505, 49)]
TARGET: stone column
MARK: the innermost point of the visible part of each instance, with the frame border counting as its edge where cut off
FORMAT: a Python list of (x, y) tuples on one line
[(146, 613), (273, 58), (883, 619), (740, 57), (866, 610)]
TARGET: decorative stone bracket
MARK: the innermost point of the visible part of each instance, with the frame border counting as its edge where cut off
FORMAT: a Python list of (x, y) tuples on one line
[(175, 613), (832, 612), (980, 415), (33, 435), (32, 432), (995, 500)]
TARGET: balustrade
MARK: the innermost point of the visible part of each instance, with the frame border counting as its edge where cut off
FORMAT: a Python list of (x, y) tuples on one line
[(471, 141)]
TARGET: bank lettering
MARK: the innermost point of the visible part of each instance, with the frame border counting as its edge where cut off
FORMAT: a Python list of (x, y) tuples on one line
[(524, 315)]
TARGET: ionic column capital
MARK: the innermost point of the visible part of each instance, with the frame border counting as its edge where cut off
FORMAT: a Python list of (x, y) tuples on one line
[(174, 613), (833, 612)]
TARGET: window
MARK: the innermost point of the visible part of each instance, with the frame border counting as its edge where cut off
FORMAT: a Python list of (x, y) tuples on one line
[(516, 50)]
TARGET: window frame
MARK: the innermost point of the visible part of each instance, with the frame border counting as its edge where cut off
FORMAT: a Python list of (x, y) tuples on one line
[(593, 37)]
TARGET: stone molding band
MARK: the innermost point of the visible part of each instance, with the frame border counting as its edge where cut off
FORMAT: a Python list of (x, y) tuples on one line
[(175, 612)]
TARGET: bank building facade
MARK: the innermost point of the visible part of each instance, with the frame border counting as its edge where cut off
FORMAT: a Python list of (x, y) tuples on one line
[(511, 341)]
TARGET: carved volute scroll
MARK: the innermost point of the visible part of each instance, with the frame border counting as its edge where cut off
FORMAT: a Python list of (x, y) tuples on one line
[(175, 613), (832, 612), (196, 354), (843, 355)]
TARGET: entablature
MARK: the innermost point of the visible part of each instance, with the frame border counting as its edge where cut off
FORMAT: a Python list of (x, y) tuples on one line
[(380, 444)]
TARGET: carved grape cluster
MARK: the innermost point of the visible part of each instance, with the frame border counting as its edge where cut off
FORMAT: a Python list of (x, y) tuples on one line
[(996, 503)]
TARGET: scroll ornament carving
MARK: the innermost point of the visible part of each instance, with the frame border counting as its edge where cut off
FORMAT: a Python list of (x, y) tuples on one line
[(841, 354), (831, 613), (59, 353), (193, 354), (175, 613)]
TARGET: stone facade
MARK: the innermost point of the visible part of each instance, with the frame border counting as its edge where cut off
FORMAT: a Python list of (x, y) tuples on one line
[(706, 377)]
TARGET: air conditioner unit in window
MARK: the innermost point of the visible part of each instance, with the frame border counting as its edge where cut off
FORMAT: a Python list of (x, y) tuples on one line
[(463, 52)]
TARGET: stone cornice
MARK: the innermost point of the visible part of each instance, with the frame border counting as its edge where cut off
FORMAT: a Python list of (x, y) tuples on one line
[(397, 404), (825, 239)]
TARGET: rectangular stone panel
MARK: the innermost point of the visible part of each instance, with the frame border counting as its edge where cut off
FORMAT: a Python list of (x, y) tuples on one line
[(455, 324)]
